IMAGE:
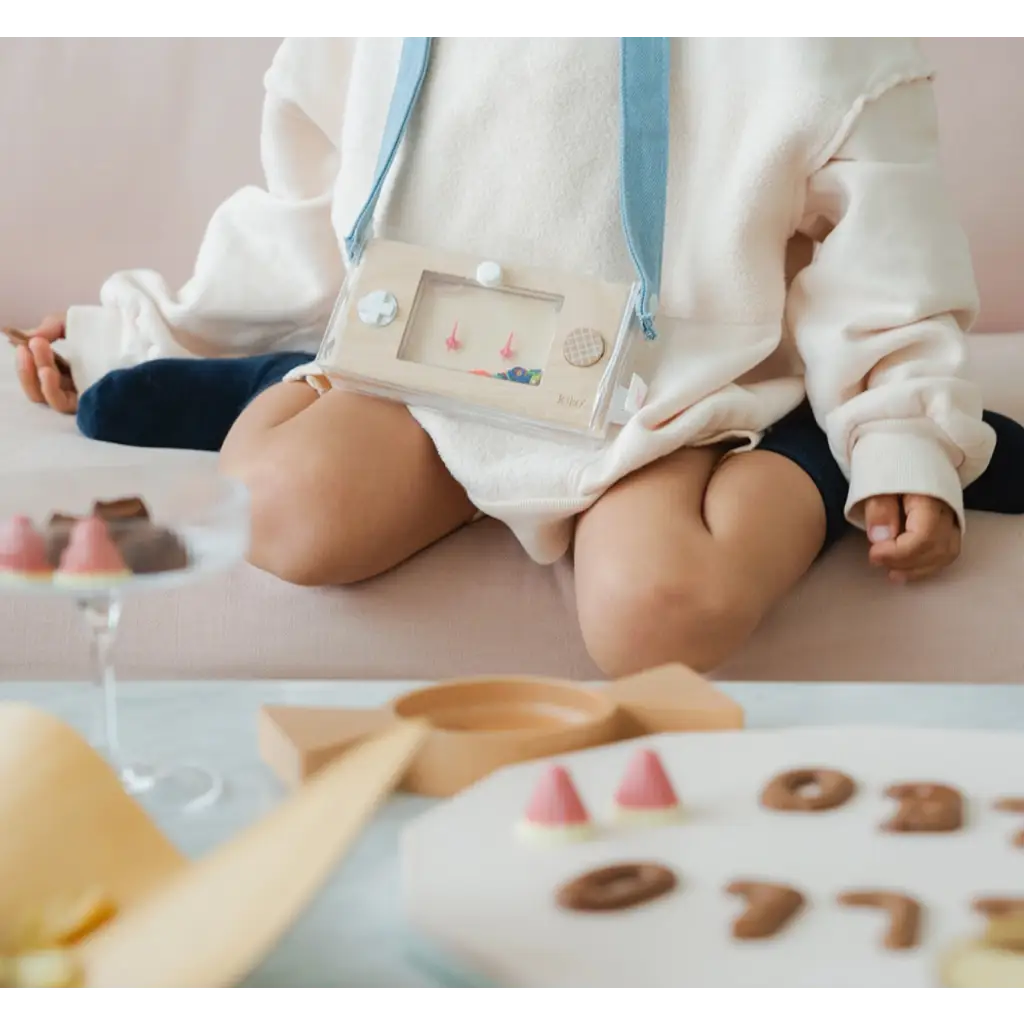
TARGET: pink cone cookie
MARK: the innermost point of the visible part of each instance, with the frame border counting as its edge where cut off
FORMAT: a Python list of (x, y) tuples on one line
[(555, 813), (646, 795), (23, 551), (91, 558)]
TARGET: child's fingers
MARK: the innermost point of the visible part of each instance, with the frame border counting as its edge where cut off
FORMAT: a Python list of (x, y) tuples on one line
[(56, 397), (28, 375), (914, 550), (63, 365), (882, 554), (930, 541), (882, 518), (52, 328), (931, 535), (41, 352)]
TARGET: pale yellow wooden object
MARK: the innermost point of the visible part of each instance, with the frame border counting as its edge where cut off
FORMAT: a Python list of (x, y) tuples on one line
[(67, 823), (70, 829), (479, 725), (995, 960), (976, 964)]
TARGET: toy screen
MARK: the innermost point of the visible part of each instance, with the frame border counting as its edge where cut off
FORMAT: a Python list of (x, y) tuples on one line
[(459, 325)]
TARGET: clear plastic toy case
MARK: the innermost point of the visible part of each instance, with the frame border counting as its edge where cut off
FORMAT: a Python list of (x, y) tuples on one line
[(532, 350)]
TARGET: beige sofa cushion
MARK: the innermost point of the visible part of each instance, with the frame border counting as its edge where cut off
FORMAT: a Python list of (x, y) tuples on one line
[(475, 603)]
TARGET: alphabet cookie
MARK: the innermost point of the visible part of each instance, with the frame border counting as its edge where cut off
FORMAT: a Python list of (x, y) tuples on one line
[(769, 909), (808, 789), (617, 887), (1013, 805), (904, 914), (925, 807)]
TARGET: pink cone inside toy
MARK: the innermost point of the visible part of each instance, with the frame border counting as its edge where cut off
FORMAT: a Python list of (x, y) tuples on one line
[(555, 801), (22, 547), (91, 552), (646, 785)]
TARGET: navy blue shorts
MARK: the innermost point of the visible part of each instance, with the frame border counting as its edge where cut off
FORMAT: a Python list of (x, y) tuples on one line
[(192, 403), (798, 438)]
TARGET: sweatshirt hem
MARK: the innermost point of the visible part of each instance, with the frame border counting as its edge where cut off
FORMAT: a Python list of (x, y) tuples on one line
[(885, 463)]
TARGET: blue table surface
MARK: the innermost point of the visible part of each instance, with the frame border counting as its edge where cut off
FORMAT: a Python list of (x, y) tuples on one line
[(354, 934)]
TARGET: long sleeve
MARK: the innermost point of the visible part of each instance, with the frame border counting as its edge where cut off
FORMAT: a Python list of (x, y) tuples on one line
[(269, 266), (880, 313)]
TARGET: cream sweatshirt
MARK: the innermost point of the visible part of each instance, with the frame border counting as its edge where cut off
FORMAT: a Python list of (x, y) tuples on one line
[(513, 155)]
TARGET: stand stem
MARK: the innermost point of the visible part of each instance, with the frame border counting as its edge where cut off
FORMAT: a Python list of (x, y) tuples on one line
[(191, 787), (102, 616)]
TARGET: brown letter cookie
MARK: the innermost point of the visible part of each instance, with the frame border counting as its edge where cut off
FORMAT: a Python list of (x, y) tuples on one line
[(925, 807), (121, 509), (1013, 805), (616, 887), (1000, 907), (904, 914), (769, 908), (789, 791)]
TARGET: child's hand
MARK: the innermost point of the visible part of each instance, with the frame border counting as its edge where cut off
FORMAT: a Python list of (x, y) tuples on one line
[(911, 535), (45, 377)]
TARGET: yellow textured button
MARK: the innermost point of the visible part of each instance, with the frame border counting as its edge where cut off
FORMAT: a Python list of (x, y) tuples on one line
[(583, 347)]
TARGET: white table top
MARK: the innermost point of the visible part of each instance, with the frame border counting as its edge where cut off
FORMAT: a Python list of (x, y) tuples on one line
[(354, 934)]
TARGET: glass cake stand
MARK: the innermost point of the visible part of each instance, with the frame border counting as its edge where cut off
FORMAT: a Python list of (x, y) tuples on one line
[(171, 524)]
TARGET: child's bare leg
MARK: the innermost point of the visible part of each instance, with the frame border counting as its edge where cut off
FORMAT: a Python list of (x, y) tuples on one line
[(343, 487), (681, 560)]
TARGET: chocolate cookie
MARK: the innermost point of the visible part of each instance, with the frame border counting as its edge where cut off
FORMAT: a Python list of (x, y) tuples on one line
[(789, 791), (1012, 805), (904, 914), (145, 547), (121, 509), (617, 887), (925, 807), (769, 908)]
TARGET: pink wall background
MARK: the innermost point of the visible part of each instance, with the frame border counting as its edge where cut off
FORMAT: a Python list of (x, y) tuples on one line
[(980, 87), (116, 152)]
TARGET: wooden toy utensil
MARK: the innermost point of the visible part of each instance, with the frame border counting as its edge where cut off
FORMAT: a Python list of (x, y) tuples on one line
[(177, 924), (210, 924), (479, 725), (68, 826)]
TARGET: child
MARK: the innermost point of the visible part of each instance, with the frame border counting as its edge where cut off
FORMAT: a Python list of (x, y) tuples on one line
[(794, 395)]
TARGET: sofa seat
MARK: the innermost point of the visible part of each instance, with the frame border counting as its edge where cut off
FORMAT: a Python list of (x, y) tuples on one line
[(475, 603)]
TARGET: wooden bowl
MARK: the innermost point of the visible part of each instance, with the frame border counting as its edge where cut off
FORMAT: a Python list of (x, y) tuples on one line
[(479, 725)]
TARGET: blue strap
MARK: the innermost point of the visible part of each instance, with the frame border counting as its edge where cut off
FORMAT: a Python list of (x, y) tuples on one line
[(644, 86), (412, 70)]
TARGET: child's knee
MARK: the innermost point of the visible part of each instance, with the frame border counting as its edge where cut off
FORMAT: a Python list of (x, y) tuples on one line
[(632, 621), (282, 486)]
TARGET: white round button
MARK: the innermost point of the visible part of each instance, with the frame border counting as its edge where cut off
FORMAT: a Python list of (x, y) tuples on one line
[(488, 274), (378, 309)]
